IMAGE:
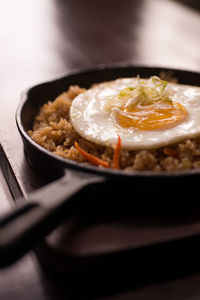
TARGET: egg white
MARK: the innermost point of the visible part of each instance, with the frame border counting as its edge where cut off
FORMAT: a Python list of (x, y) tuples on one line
[(89, 118)]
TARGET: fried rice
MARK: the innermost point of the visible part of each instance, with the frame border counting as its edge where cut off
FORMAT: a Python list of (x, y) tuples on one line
[(52, 130)]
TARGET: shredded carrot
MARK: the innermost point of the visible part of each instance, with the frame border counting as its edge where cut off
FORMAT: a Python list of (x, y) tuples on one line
[(91, 158), (170, 151), (117, 153)]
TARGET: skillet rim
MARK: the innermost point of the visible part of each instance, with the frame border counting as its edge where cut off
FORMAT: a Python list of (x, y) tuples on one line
[(73, 165)]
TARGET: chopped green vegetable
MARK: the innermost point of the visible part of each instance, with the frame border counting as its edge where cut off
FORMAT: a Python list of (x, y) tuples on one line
[(147, 92), (126, 91)]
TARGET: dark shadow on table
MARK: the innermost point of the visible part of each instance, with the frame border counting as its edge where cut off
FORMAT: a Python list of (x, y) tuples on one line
[(97, 27), (110, 251), (195, 4)]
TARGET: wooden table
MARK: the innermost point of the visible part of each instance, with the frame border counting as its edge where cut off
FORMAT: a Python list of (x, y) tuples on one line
[(44, 39)]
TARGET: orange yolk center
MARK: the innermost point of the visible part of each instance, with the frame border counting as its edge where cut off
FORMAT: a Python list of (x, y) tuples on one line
[(152, 117)]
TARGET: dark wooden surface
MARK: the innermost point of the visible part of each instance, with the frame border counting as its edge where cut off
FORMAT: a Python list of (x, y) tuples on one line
[(43, 39)]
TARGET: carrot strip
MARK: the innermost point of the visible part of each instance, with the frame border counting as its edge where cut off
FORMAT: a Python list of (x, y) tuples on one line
[(117, 153), (91, 158), (170, 152)]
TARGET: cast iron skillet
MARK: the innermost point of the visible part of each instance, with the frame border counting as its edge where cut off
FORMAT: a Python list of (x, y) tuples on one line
[(46, 208)]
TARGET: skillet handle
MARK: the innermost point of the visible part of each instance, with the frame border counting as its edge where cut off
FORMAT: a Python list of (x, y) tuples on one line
[(25, 226)]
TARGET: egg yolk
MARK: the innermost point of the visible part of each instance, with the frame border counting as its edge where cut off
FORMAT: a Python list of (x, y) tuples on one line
[(147, 106), (152, 117)]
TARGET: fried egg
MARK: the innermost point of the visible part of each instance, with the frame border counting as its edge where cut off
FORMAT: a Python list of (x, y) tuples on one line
[(145, 113)]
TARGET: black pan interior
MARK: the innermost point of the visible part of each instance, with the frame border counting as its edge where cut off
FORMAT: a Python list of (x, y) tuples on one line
[(36, 96), (148, 194), (140, 193)]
